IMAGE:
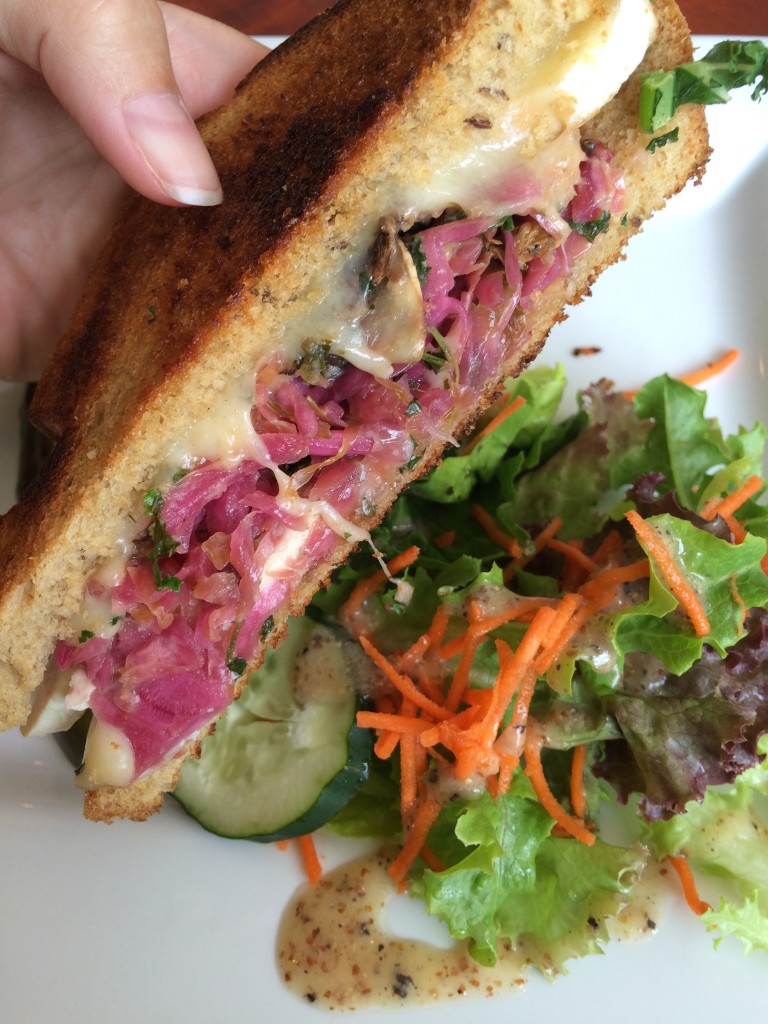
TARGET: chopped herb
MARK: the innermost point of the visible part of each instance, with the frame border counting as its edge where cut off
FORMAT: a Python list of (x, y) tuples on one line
[(85, 634), (728, 65), (230, 659), (590, 229), (434, 360), (624, 220), (413, 408), (266, 628), (368, 507), (414, 460), (449, 357), (392, 604), (152, 314), (366, 283), (415, 248), (506, 224), (237, 665), (452, 214), (662, 140), (163, 544), (153, 501), (318, 364), (115, 619), (179, 475)]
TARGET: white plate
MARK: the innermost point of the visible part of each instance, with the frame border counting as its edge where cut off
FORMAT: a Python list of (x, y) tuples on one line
[(162, 922)]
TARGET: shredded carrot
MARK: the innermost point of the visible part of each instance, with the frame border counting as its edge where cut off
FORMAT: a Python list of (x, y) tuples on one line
[(585, 350), (282, 844), (402, 682), (738, 531), (611, 578), (481, 629), (417, 650), (540, 541), (431, 859), (545, 536), (436, 631), (477, 698), (572, 552), (684, 873), (738, 600), (705, 373), (409, 777), (311, 861), (460, 679), (533, 769), (679, 586), (423, 821), (505, 540), (574, 574), (725, 507), (363, 590), (497, 420), (558, 634), (396, 723), (578, 796), (611, 543), (514, 675), (711, 369), (428, 686), (386, 744), (432, 736), (503, 781), (460, 728), (445, 539)]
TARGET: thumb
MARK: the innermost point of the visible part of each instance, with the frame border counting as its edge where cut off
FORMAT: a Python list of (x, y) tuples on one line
[(110, 67)]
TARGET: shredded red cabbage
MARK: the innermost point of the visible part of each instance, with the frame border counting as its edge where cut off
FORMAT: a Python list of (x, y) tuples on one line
[(244, 541)]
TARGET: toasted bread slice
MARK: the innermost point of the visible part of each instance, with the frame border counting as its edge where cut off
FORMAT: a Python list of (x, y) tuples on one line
[(313, 152)]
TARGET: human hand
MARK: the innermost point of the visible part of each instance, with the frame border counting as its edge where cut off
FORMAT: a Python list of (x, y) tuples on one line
[(93, 95)]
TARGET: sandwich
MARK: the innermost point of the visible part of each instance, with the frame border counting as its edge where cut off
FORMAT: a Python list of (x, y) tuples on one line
[(412, 199)]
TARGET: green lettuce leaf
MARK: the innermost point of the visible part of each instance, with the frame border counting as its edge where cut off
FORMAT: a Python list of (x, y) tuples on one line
[(456, 477), (747, 921), (576, 483), (727, 579), (729, 65), (683, 444), (725, 836), (514, 881)]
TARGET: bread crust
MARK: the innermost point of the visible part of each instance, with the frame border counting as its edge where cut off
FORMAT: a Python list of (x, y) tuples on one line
[(183, 301)]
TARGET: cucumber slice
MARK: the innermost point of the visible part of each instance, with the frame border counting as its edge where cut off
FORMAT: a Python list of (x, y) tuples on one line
[(287, 755)]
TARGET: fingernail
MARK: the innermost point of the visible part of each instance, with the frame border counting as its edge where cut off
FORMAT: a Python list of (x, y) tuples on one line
[(165, 133)]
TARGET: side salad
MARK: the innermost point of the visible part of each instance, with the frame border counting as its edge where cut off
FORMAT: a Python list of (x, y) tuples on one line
[(574, 614)]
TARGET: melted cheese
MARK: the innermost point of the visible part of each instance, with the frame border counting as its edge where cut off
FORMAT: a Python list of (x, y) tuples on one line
[(222, 432), (108, 759), (535, 139), (527, 161)]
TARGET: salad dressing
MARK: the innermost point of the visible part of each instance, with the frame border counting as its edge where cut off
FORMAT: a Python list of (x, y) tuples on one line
[(334, 950)]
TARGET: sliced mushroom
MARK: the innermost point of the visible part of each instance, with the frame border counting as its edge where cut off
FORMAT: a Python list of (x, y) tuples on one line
[(532, 241), (395, 326), (386, 249), (57, 703)]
